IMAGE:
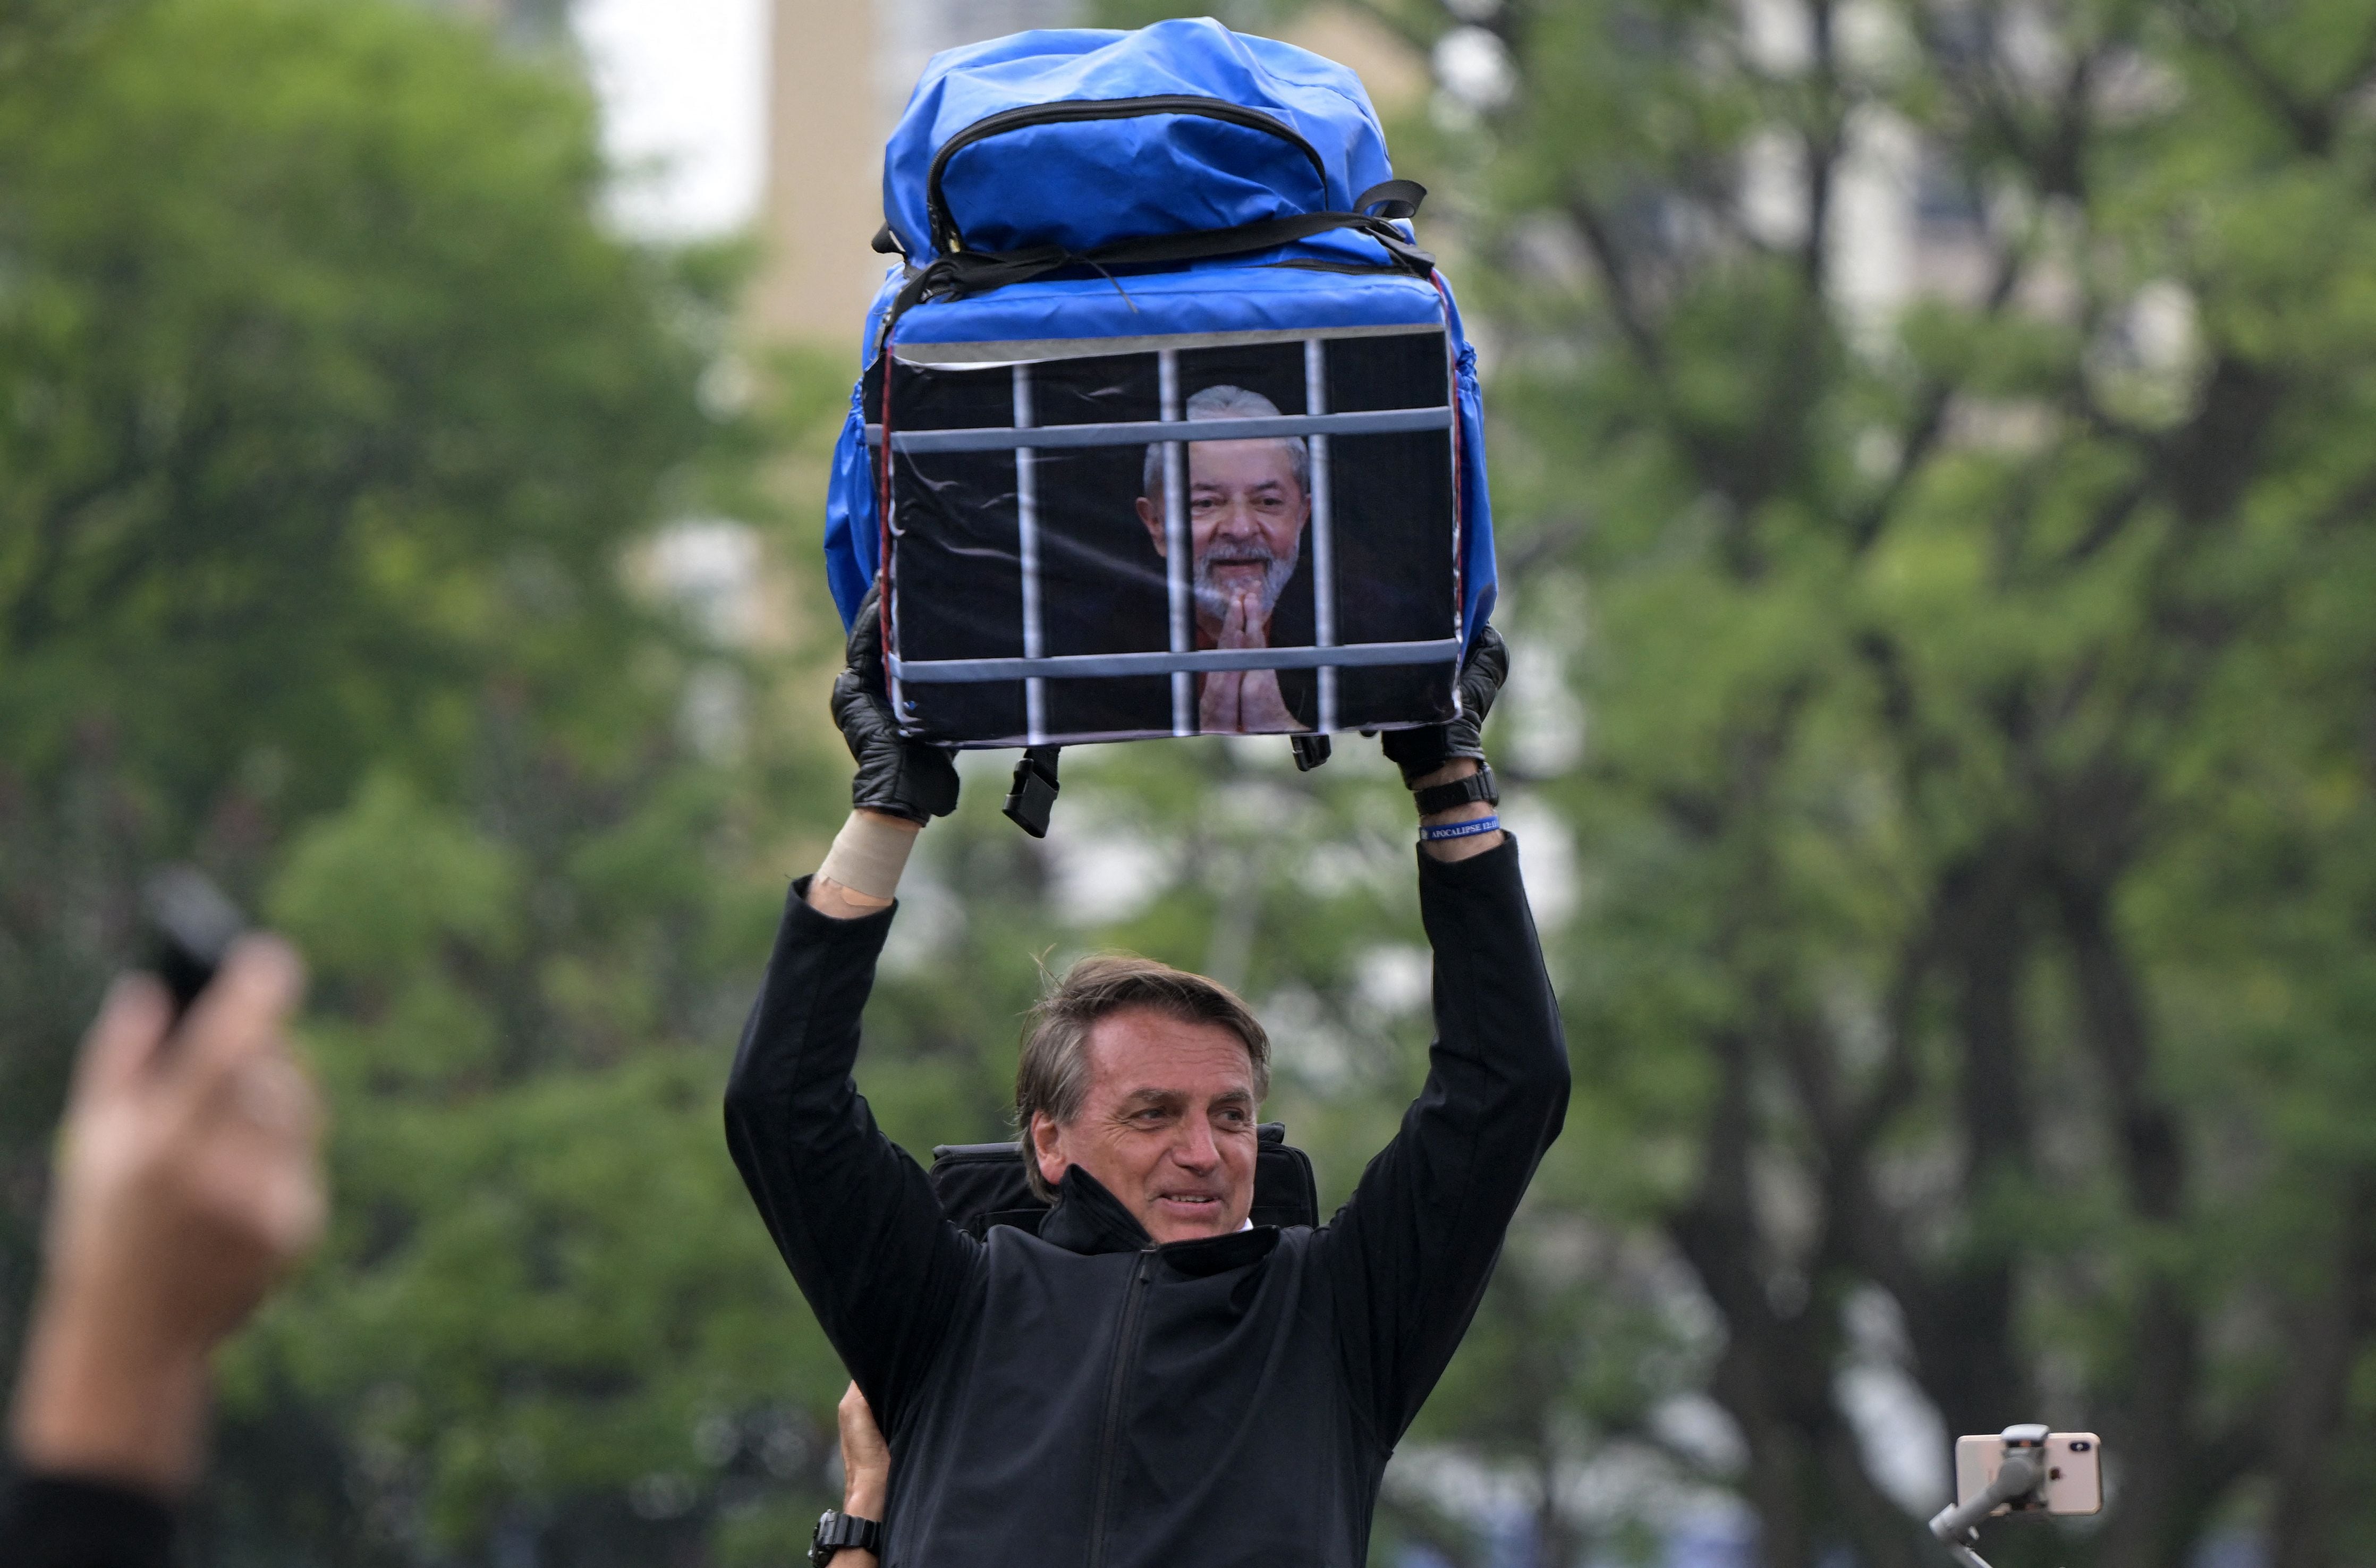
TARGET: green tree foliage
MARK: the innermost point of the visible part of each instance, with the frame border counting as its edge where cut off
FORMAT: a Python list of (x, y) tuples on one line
[(310, 339), (335, 428)]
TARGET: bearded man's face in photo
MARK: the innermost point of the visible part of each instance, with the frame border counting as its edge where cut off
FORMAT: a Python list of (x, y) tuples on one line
[(1246, 510)]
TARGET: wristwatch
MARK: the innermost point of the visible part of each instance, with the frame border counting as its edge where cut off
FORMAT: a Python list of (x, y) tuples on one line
[(1477, 786), (836, 1531)]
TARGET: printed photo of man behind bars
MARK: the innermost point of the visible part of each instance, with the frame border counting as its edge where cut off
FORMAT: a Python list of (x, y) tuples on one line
[(1248, 503)]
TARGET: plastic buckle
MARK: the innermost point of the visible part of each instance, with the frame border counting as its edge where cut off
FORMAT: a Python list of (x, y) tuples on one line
[(1033, 794), (1310, 751)]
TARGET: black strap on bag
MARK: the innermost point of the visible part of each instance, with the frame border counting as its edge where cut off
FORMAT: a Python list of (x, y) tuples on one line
[(981, 1185), (1400, 198), (1033, 793), (963, 273)]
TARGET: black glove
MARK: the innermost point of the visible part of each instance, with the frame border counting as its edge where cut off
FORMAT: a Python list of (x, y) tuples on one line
[(910, 779), (1422, 751)]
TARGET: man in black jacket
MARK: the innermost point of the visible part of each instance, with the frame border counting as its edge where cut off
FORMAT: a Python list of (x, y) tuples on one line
[(1148, 1380)]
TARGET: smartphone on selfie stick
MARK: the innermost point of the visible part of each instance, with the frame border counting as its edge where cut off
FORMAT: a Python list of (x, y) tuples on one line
[(2023, 1469)]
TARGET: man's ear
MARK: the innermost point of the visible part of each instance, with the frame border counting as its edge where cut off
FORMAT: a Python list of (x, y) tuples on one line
[(1152, 517), (1044, 1139)]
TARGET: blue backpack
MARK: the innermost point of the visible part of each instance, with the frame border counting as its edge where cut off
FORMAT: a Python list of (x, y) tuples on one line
[(1102, 235)]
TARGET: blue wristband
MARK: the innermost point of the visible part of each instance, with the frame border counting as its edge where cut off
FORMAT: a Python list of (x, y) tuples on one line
[(1461, 829)]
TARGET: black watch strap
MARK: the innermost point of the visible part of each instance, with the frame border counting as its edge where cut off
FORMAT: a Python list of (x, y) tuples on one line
[(1477, 786), (836, 1531)]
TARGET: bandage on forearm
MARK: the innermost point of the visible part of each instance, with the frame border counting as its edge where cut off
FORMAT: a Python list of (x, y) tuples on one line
[(868, 855)]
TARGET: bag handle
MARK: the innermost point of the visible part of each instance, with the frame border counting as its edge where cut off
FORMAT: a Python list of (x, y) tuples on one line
[(1399, 197)]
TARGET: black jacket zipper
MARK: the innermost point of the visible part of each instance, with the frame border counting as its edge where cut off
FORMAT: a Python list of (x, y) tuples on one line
[(1117, 1394), (945, 238)]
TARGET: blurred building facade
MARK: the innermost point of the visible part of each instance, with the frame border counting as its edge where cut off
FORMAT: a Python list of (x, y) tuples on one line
[(840, 72)]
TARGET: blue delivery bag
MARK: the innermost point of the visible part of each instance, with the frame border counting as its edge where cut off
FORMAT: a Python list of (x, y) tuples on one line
[(1109, 240)]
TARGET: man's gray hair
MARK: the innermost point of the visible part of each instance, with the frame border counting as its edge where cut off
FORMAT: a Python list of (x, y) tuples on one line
[(1053, 1074), (1227, 403)]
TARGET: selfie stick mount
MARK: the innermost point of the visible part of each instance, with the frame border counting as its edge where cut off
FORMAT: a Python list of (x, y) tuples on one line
[(2021, 1480)]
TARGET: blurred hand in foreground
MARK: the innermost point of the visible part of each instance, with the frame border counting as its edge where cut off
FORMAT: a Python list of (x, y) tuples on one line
[(188, 1178)]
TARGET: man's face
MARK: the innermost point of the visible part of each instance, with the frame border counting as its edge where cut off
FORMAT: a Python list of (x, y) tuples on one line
[(1246, 516), (1168, 1125)]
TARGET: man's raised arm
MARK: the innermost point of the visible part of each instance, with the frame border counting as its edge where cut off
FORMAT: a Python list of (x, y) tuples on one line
[(853, 1216), (1411, 1252)]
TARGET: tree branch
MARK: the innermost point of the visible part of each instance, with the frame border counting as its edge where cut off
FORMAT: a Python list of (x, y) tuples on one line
[(1617, 273)]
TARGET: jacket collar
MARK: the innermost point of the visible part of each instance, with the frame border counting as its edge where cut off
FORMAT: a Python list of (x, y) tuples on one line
[(1087, 1218)]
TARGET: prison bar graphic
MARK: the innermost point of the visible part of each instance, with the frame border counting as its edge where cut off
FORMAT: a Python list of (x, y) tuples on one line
[(1179, 545), (1324, 535), (1182, 660), (1026, 552)]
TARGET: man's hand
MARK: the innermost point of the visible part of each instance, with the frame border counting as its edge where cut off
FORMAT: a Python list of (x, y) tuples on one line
[(1216, 708), (865, 1469), (188, 1179), (865, 1457), (897, 776), (1425, 751), (1241, 626), (1443, 753), (1245, 702), (1261, 709)]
